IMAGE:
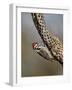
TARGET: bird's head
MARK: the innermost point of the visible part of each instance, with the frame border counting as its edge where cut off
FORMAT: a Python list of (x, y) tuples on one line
[(34, 45)]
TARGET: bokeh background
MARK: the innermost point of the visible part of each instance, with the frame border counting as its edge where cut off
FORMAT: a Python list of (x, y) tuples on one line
[(31, 63)]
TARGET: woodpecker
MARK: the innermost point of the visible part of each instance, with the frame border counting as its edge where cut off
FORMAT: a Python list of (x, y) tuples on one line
[(42, 51)]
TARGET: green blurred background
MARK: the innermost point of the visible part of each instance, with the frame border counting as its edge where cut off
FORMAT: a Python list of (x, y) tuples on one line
[(32, 63)]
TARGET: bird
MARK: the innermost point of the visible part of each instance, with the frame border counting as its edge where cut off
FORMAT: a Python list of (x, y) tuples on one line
[(42, 51)]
